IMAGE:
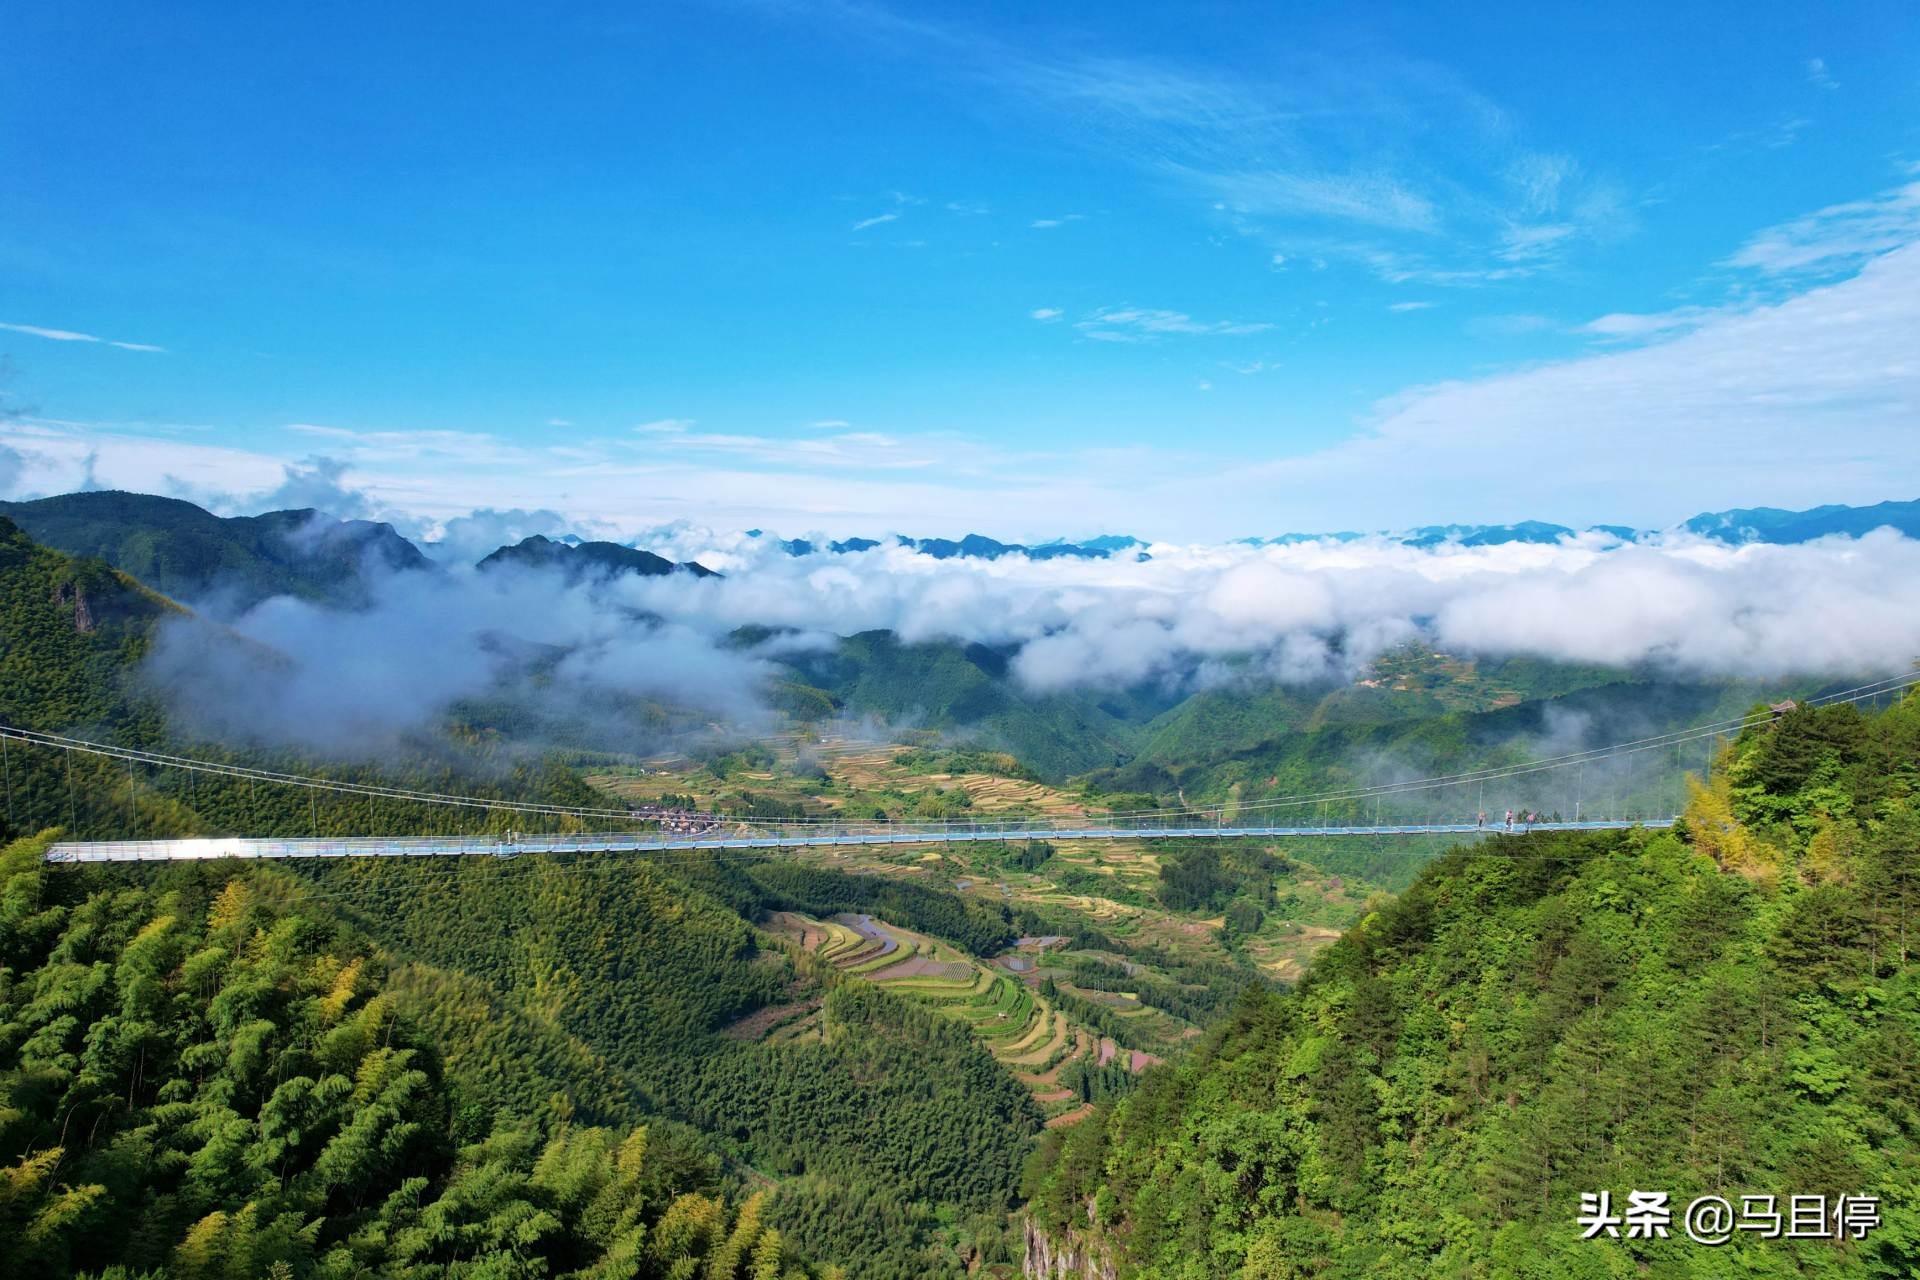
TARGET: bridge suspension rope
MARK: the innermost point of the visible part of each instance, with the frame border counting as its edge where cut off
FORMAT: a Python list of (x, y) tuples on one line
[(372, 791)]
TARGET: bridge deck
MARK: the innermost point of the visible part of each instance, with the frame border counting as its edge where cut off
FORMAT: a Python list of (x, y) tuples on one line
[(645, 842)]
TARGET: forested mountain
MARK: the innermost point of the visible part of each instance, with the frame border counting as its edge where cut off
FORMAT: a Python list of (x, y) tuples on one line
[(234, 561), (74, 633), (557, 994), (1246, 737), (579, 561), (398, 1067), (1732, 1008), (970, 691), (203, 1075), (454, 1056), (891, 1124)]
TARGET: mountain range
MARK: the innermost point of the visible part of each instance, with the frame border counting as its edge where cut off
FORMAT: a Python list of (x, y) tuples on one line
[(230, 563), (590, 1067)]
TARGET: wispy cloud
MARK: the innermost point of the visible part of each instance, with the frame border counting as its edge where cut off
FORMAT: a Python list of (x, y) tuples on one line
[(1047, 224), (1046, 313), (1421, 305), (1622, 325), (1806, 400), (1819, 76), (1358, 156), (1375, 200), (56, 335), (70, 335), (1139, 324), (1838, 237), (876, 220)]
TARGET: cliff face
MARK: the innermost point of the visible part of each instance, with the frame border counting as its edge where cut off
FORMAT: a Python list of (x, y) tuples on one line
[(71, 595), (1073, 1258)]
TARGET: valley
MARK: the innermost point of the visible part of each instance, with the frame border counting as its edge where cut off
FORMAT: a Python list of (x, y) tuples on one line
[(857, 1061)]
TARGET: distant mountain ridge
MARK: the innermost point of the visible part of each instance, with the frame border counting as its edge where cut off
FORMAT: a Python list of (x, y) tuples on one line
[(973, 546), (1770, 524), (1739, 526), (235, 562), (581, 560), (191, 554)]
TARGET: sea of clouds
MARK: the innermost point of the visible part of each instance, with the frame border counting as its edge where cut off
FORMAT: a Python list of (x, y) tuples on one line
[(1182, 615), (1685, 604)]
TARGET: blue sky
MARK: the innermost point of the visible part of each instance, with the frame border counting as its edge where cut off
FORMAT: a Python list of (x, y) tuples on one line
[(1190, 271)]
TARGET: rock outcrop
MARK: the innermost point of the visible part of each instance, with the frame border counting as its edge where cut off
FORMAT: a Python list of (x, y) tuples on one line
[(1074, 1258)]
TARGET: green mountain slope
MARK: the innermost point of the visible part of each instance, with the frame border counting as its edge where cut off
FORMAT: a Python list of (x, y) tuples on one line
[(889, 1127), (1274, 743), (73, 635), (192, 554), (200, 1078), (1732, 1009), (584, 560), (556, 993), (969, 692)]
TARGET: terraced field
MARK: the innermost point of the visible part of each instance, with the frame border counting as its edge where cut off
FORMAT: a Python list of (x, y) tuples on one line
[(999, 1002)]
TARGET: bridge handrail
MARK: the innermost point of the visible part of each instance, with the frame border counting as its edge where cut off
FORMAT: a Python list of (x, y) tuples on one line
[(829, 835)]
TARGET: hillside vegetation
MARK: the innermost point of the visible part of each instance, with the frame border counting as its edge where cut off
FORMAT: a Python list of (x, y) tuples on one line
[(199, 1077), (232, 561), (895, 1139), (1731, 1008)]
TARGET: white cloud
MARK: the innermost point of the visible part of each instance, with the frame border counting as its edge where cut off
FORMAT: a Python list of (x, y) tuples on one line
[(1046, 313), (1350, 151), (1047, 224), (1806, 399), (1819, 76), (1812, 399), (1837, 237), (1629, 325), (876, 220), (70, 335), (1676, 603), (1368, 199), (57, 335), (1136, 324), (1409, 306)]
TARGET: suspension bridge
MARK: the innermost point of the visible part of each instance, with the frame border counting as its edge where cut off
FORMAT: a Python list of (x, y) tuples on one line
[(1271, 818), (823, 836)]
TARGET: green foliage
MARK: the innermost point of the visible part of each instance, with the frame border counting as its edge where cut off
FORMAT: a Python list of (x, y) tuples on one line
[(198, 1081), (967, 690), (883, 1127), (73, 633), (1541, 1016), (192, 554)]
